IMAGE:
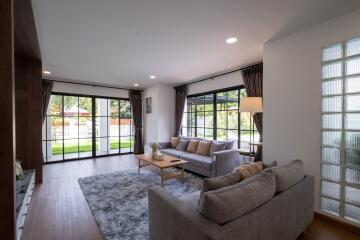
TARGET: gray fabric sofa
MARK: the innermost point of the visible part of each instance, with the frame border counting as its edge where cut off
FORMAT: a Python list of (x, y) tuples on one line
[(282, 217), (220, 163)]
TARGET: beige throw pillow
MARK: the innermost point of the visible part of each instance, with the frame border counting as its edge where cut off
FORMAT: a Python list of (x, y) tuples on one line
[(193, 145), (174, 141), (204, 148), (248, 170)]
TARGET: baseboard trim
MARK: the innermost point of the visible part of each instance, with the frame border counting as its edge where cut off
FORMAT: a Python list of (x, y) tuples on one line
[(338, 223)]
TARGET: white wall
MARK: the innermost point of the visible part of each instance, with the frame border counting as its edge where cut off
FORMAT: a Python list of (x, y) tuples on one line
[(159, 125), (292, 93), (226, 81), (89, 90)]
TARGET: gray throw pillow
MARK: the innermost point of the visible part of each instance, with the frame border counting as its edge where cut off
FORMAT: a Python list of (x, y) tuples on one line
[(216, 146), (287, 175), (182, 145), (210, 184), (269, 165), (229, 145), (228, 203)]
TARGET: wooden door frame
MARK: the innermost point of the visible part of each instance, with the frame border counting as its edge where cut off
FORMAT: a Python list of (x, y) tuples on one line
[(7, 122)]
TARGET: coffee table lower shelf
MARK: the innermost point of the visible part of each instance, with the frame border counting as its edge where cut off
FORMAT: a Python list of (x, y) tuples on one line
[(163, 173)]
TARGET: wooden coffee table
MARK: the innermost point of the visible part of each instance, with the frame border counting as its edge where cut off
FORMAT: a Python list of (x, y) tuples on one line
[(164, 168)]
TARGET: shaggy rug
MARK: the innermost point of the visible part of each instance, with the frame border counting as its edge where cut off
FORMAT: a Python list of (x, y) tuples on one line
[(119, 200)]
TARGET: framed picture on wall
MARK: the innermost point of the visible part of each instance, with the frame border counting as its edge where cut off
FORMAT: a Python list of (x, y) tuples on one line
[(148, 104)]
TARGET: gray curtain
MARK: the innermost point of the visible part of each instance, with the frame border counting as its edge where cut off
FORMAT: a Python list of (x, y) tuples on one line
[(253, 82), (47, 87), (180, 98), (136, 106)]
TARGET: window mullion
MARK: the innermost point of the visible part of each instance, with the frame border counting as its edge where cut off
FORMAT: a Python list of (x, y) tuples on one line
[(63, 128), (239, 122), (215, 117), (342, 143)]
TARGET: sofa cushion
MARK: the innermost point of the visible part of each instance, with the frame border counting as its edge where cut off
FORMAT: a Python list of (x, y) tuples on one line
[(174, 141), (228, 203), (182, 145), (210, 184), (216, 147), (204, 148), (172, 152), (191, 199), (202, 171), (248, 170), (287, 175), (192, 146), (198, 160)]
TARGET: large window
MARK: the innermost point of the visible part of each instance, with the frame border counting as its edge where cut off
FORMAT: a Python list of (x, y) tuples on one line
[(86, 126), (340, 167), (216, 116)]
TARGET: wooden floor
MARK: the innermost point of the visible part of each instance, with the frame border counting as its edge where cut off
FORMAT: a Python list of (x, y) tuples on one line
[(59, 210)]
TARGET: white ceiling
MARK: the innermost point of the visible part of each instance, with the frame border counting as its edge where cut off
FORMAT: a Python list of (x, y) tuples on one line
[(122, 42)]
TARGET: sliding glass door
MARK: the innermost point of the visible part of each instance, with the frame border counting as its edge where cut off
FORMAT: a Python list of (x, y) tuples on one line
[(86, 126), (113, 134)]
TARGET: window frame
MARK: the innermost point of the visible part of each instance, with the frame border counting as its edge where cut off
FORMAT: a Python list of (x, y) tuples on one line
[(93, 137), (215, 111)]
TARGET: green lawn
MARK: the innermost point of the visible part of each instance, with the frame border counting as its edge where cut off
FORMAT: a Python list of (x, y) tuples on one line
[(57, 147)]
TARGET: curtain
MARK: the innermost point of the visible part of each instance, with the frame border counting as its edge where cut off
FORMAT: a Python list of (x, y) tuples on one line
[(253, 82), (180, 97), (47, 87), (136, 105)]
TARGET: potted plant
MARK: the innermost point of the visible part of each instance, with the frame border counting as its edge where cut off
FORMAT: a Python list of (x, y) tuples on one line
[(18, 170), (155, 150)]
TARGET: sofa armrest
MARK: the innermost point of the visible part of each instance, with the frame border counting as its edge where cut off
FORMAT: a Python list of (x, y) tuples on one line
[(224, 162), (164, 145), (170, 218)]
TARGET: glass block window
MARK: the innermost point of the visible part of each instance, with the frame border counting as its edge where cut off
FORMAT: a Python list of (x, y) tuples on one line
[(340, 170)]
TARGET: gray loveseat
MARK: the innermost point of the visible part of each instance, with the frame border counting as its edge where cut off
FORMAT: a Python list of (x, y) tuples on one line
[(242, 211), (217, 163)]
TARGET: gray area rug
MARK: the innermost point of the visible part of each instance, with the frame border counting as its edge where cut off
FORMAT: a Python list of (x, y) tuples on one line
[(119, 200)]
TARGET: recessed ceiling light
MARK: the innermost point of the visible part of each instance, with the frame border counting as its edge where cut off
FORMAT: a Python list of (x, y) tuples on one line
[(136, 84), (231, 40), (152, 76), (46, 72)]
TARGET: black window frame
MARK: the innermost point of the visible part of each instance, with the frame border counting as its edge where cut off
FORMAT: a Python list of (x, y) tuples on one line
[(93, 133), (194, 129)]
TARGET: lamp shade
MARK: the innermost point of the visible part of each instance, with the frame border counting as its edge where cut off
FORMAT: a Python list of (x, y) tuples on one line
[(251, 104)]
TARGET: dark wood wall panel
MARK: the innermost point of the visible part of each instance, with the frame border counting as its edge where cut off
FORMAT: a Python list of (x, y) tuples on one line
[(28, 89), (7, 177), (25, 35)]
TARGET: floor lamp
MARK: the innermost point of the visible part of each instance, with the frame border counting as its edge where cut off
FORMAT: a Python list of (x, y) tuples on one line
[(251, 105)]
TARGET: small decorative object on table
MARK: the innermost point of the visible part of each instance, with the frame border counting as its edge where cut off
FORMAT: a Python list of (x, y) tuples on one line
[(156, 155)]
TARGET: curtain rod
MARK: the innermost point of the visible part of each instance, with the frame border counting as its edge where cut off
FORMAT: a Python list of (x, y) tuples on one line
[(93, 85), (221, 74)]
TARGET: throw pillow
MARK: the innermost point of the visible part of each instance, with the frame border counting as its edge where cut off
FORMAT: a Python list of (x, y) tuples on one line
[(269, 165), (182, 145), (204, 148), (193, 145), (229, 145), (174, 141), (216, 147), (210, 184), (227, 203), (248, 170), (288, 175)]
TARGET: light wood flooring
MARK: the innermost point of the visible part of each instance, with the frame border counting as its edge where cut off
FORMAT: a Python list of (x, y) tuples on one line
[(59, 210)]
